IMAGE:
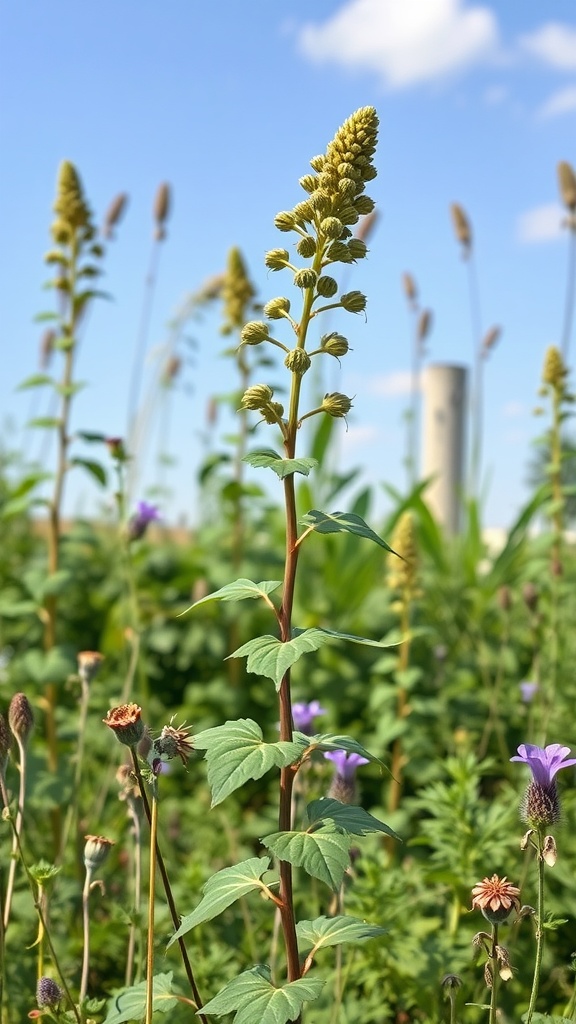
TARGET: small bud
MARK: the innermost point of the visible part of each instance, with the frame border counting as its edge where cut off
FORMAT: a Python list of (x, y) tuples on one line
[(306, 247), (530, 596), (96, 849), (340, 253), (320, 202), (298, 361), (549, 852), (276, 308), (284, 221), (272, 412), (116, 448), (347, 188), (357, 248), (257, 396), (48, 993), (277, 259), (349, 215), (451, 981), (353, 302), (303, 213), (254, 332), (335, 344), (326, 286), (364, 205), (309, 182), (88, 664), (126, 723), (567, 183), (20, 717), (305, 278), (336, 404), (331, 227)]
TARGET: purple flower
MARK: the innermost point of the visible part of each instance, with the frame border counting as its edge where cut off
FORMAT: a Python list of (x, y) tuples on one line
[(139, 522), (528, 691), (544, 763), (304, 715), (346, 764)]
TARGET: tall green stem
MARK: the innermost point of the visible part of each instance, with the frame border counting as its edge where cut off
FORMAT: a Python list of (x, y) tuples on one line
[(494, 968), (151, 903), (539, 929)]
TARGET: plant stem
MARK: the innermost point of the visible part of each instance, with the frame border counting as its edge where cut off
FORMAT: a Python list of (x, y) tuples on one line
[(495, 977), (17, 832), (539, 930), (137, 832), (168, 891), (86, 933), (151, 902)]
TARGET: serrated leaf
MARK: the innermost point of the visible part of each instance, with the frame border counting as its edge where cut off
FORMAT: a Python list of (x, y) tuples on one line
[(267, 458), (222, 890), (240, 590), (254, 1000), (351, 818), (236, 752), (130, 1003), (323, 853), (331, 741), (35, 381), (269, 656), (93, 468), (332, 931), (337, 522)]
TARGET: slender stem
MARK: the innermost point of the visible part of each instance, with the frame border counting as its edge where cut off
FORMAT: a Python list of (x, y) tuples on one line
[(477, 383), (86, 933), (168, 891), (40, 939), (17, 833), (539, 930), (494, 966), (151, 903), (135, 924)]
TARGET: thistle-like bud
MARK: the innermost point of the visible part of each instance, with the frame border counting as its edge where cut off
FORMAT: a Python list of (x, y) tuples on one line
[(305, 278), (554, 370), (567, 184), (450, 981), (353, 302), (321, 202), (337, 404), (277, 259), (272, 412), (541, 805), (326, 287), (331, 227), (126, 723), (277, 308), (347, 188), (257, 396), (20, 717), (461, 225), (335, 344), (254, 332), (162, 204), (70, 207), (303, 213), (349, 215), (357, 248), (306, 247), (298, 361), (309, 182), (340, 253), (96, 849), (48, 993), (285, 221), (114, 214), (364, 205)]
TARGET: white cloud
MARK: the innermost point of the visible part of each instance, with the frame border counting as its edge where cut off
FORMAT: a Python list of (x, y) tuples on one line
[(513, 409), (390, 385), (403, 41), (554, 44), (561, 102), (542, 224)]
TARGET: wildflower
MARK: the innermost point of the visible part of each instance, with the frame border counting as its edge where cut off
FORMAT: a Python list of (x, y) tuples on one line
[(126, 723), (48, 993), (528, 691), (171, 743), (304, 714), (20, 717), (343, 787), (88, 664), (495, 897), (96, 849), (139, 522), (541, 805)]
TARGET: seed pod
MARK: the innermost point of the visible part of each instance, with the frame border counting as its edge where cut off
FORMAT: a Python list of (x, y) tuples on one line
[(461, 224), (20, 717), (326, 286), (567, 183), (306, 247)]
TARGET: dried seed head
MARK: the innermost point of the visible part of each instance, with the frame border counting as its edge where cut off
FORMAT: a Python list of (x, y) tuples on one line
[(162, 203), (96, 849), (567, 183), (48, 993), (88, 664), (462, 228), (114, 214), (174, 742), (530, 596), (128, 783), (298, 361), (424, 325), (491, 338), (409, 286), (503, 958), (20, 717), (554, 371), (237, 292), (549, 851), (126, 722)]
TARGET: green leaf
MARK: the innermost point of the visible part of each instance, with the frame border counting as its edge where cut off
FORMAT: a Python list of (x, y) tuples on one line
[(267, 458), (332, 931), (17, 609), (90, 437), (222, 890), (56, 583), (93, 468), (35, 381), (353, 819), (240, 590), (254, 1000), (236, 752), (545, 1018), (268, 656), (41, 318), (44, 421), (329, 741), (336, 522), (322, 853), (130, 1003), (68, 390)]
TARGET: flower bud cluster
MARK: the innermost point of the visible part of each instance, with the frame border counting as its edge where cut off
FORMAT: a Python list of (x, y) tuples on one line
[(237, 292), (259, 398)]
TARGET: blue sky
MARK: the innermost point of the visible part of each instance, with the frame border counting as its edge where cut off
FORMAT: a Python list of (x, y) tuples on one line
[(228, 102)]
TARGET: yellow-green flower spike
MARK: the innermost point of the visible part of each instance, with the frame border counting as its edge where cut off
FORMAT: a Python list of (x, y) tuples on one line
[(237, 292), (554, 370), (70, 207), (403, 571)]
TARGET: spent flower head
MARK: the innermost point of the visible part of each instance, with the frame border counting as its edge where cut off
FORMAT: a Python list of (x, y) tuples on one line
[(126, 723), (172, 742), (96, 849), (495, 897), (88, 664)]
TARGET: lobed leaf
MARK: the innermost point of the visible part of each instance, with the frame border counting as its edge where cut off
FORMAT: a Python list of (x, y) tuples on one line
[(323, 853), (332, 931), (267, 458), (222, 890), (35, 381), (254, 1000), (338, 522), (130, 1003), (236, 752), (355, 820), (240, 590)]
